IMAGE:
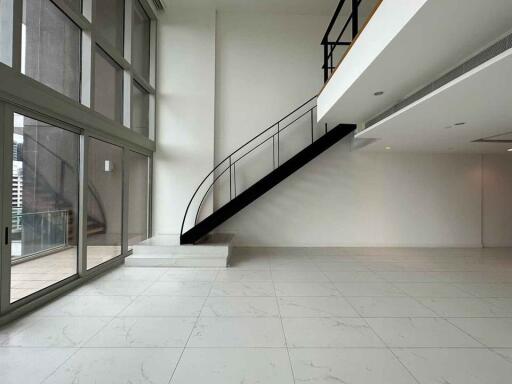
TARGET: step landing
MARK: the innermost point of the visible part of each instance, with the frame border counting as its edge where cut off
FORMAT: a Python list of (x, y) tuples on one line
[(165, 251)]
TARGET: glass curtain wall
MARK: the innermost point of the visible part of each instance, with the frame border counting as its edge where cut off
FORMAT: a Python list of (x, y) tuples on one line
[(6, 31), (51, 47), (85, 84), (138, 193), (44, 201), (104, 205)]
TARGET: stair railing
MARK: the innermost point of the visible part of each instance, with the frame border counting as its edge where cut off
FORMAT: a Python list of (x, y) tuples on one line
[(274, 134), (330, 45)]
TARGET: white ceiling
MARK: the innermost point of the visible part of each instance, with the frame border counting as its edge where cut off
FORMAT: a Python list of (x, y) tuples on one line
[(441, 35), (482, 99), (316, 7)]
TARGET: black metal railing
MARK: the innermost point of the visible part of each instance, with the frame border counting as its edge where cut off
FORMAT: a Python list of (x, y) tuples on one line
[(274, 135), (344, 38)]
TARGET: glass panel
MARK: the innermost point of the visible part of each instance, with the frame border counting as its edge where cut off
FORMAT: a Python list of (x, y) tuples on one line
[(139, 198), (104, 205), (140, 40), (44, 232), (76, 5), (51, 47), (140, 110), (6, 11), (108, 86), (109, 21)]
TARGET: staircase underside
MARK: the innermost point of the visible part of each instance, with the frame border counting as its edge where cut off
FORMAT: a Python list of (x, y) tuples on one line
[(262, 186)]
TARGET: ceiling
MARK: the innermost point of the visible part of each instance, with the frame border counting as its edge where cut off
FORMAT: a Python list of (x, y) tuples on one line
[(481, 99), (441, 35), (315, 7)]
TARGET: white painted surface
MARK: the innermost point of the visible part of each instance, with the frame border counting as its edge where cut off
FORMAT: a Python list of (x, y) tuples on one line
[(497, 205), (305, 7), (345, 198), (267, 65), (342, 198), (406, 45), (428, 125), (185, 114), (389, 19)]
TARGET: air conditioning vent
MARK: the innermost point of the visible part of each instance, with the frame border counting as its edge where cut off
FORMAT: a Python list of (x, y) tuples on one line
[(159, 5)]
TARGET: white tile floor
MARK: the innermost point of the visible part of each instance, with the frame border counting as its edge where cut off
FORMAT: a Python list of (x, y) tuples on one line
[(33, 275), (358, 316)]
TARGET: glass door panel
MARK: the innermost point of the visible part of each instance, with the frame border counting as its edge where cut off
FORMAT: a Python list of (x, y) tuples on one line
[(44, 228), (138, 195), (104, 205)]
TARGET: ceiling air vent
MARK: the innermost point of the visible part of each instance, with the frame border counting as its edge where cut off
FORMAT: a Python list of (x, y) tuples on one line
[(159, 5)]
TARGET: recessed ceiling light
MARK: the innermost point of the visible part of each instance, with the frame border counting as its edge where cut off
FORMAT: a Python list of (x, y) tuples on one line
[(461, 123), (509, 150), (378, 93), (388, 148)]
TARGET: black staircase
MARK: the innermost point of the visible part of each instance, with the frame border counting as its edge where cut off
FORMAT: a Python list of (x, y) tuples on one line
[(311, 139)]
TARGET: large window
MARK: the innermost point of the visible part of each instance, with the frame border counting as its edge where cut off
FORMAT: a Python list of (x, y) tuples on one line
[(51, 47), (44, 200), (104, 206), (108, 86), (6, 30), (141, 31), (80, 73), (140, 110), (109, 22), (138, 194)]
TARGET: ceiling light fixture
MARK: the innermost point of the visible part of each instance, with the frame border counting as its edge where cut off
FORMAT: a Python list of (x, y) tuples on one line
[(388, 148), (378, 93), (509, 150)]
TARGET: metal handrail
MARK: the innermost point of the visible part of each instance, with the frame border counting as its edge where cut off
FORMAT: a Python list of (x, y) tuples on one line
[(330, 46), (230, 157)]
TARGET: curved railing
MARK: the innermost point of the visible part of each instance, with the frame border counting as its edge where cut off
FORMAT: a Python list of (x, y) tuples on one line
[(228, 166)]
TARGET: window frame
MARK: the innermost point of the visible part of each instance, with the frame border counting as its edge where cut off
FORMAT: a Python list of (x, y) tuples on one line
[(22, 94)]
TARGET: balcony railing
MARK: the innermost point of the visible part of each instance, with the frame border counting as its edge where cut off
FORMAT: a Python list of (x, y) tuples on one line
[(37, 234), (338, 34)]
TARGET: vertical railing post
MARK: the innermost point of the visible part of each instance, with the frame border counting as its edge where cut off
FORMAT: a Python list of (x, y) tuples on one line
[(234, 177), (326, 62), (355, 18), (230, 190), (273, 151), (278, 129), (331, 66), (312, 118)]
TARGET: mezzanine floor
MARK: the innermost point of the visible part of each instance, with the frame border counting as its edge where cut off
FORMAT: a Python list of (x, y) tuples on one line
[(358, 316)]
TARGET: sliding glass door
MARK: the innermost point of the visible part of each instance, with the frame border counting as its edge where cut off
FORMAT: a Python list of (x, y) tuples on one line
[(44, 205), (104, 205)]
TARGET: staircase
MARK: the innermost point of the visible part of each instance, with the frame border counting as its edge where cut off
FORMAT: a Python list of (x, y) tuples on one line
[(300, 123)]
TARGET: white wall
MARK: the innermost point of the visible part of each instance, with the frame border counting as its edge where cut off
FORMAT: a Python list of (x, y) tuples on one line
[(242, 72), (497, 202), (185, 112), (267, 65), (345, 198)]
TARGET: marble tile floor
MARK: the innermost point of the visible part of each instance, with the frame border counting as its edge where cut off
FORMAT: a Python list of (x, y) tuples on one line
[(33, 275), (355, 316)]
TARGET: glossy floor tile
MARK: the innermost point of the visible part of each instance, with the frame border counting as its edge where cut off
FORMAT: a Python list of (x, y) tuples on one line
[(278, 315)]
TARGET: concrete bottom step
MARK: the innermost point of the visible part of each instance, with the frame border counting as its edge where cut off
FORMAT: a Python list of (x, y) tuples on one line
[(165, 251)]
